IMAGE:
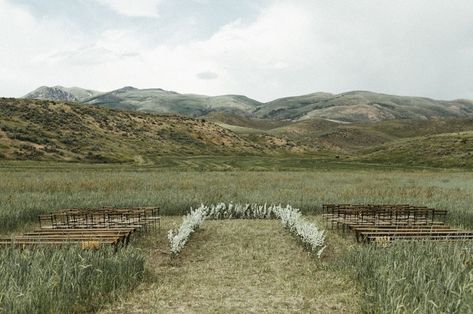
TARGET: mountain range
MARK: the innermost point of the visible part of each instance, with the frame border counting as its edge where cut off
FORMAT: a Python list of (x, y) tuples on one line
[(356, 106), (139, 125)]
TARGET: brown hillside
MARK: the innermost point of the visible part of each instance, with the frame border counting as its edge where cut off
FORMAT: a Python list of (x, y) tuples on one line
[(47, 130)]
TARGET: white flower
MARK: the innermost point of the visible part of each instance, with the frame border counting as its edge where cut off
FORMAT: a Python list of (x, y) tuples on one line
[(291, 219), (179, 238)]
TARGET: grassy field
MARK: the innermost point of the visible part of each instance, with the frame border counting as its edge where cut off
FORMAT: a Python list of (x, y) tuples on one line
[(228, 263), (27, 191), (239, 266)]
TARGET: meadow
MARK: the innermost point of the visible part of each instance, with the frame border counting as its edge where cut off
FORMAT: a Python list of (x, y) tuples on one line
[(48, 280), (380, 279), (26, 191)]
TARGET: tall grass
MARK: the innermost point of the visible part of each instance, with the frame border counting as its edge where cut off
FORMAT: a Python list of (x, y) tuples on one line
[(24, 193), (415, 277), (47, 280), (403, 278)]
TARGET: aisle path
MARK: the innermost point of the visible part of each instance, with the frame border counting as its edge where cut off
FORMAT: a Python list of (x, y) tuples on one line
[(239, 266)]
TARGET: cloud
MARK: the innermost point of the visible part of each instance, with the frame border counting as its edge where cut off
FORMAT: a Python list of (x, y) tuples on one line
[(24, 39), (208, 75), (134, 8), (259, 59), (413, 47), (410, 47), (82, 56)]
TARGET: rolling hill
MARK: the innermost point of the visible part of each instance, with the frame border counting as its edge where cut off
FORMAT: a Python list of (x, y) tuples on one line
[(360, 126), (362, 106), (166, 102), (47, 130), (441, 150), (437, 142), (356, 106), (350, 138)]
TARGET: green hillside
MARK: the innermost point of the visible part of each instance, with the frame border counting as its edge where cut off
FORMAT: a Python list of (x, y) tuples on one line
[(360, 126), (351, 137), (435, 142), (46, 130), (245, 121), (442, 150)]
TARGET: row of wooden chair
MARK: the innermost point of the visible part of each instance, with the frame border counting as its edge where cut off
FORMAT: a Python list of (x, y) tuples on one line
[(393, 222), (347, 214), (89, 227), (102, 218)]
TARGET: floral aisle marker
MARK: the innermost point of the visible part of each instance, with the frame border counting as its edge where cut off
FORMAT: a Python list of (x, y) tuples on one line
[(291, 218), (307, 232), (178, 238)]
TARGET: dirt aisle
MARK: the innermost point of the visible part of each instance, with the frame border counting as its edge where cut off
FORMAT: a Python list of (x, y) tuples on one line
[(238, 266)]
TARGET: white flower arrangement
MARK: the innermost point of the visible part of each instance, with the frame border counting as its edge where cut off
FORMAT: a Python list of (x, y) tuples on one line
[(179, 238), (291, 219), (307, 232)]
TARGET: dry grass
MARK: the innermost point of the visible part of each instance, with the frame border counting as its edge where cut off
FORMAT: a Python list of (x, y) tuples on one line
[(239, 266)]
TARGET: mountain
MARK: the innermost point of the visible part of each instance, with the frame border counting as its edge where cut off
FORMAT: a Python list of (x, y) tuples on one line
[(166, 102), (362, 106), (48, 130), (356, 106), (61, 93), (359, 125), (61, 131)]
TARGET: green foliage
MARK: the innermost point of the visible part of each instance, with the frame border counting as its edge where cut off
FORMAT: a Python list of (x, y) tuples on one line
[(441, 272), (70, 280)]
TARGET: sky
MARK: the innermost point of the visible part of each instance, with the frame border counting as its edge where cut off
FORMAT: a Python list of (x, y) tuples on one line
[(264, 49)]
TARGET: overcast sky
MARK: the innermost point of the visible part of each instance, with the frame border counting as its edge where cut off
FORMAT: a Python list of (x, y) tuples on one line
[(264, 49)]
